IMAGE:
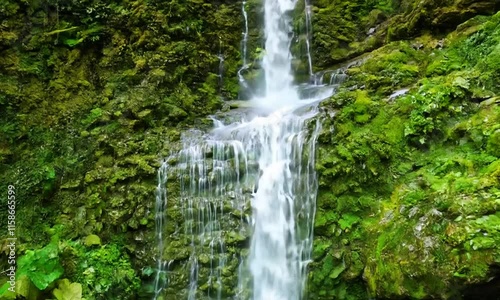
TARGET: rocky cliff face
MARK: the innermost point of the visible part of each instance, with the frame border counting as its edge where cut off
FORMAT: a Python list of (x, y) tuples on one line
[(408, 204), (346, 29), (93, 94)]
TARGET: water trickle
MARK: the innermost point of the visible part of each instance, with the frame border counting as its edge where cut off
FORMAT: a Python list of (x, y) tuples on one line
[(330, 77), (244, 41), (160, 219), (244, 46), (308, 13), (220, 73), (212, 172)]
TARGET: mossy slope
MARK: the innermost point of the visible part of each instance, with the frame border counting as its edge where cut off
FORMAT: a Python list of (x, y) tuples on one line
[(409, 182), (345, 29)]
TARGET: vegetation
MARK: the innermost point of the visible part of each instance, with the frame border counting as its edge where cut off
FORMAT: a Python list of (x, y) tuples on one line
[(409, 193), (94, 93)]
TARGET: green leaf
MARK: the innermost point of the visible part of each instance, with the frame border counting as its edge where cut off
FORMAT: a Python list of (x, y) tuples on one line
[(72, 42), (68, 290), (62, 30), (41, 266), (91, 240), (50, 172), (5, 293), (147, 271), (461, 82), (24, 286)]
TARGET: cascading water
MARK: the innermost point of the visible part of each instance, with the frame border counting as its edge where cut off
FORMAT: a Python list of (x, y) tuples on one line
[(279, 249), (277, 62), (264, 162), (208, 179), (283, 206)]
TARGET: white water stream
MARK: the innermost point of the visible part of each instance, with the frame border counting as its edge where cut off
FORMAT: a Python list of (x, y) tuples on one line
[(308, 13), (277, 62), (244, 47), (283, 209)]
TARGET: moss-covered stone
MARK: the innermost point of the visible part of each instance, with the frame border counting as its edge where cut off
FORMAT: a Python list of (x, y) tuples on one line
[(92, 95), (408, 191), (346, 29)]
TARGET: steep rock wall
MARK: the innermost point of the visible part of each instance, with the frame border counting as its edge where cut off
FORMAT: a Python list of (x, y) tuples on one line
[(408, 163), (94, 93)]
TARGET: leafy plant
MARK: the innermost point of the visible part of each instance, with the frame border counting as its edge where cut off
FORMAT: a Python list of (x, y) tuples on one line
[(41, 266), (68, 290), (92, 33), (105, 272)]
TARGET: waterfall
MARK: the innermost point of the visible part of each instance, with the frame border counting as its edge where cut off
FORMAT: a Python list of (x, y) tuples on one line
[(245, 32), (250, 182), (283, 206)]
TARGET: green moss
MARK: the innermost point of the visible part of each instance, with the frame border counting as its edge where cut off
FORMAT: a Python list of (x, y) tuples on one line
[(347, 221), (92, 94), (419, 171)]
